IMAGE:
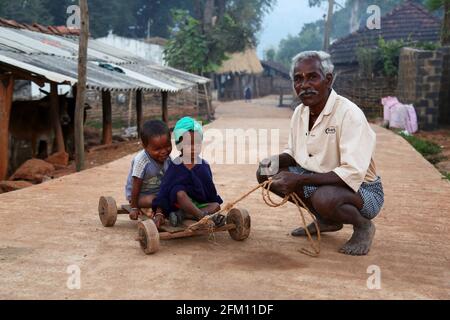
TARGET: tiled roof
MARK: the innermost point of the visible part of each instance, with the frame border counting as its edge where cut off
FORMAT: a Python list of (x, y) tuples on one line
[(276, 66), (55, 30), (408, 21)]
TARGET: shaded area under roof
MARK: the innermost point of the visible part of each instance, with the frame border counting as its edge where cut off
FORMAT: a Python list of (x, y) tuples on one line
[(408, 21)]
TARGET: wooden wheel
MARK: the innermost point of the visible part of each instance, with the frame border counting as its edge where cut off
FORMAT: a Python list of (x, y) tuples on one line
[(241, 219), (107, 210), (148, 236)]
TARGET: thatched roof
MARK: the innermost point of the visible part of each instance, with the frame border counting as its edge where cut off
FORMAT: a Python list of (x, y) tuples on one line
[(242, 62)]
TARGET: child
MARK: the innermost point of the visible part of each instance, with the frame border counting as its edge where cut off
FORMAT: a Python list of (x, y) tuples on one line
[(187, 188), (148, 167)]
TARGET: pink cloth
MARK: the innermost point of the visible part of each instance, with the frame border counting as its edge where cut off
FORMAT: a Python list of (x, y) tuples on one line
[(399, 115)]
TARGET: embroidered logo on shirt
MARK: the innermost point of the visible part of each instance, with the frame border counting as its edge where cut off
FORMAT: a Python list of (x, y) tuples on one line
[(330, 130)]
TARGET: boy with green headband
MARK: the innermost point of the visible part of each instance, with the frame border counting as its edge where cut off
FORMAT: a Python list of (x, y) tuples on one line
[(187, 189)]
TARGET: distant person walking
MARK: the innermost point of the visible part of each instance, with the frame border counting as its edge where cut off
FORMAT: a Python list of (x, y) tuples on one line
[(248, 95)]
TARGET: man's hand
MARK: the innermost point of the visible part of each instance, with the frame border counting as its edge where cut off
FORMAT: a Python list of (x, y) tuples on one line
[(134, 214), (286, 182), (269, 166)]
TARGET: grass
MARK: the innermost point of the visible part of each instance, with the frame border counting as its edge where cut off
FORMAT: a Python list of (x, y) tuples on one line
[(116, 124), (424, 147), (429, 150)]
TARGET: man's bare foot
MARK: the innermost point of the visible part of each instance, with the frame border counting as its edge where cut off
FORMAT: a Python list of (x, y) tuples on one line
[(361, 240), (324, 227)]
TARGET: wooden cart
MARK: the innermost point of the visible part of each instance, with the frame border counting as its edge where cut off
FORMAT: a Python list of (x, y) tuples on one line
[(237, 224)]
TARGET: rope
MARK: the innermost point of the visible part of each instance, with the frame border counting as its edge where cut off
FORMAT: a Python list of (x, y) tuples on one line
[(271, 203)]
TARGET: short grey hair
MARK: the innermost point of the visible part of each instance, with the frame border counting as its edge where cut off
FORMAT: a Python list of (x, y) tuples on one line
[(326, 66)]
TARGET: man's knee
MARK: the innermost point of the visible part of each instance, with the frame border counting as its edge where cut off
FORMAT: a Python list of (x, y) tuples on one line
[(326, 200)]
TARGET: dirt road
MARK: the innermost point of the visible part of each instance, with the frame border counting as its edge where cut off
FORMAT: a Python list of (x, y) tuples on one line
[(47, 228)]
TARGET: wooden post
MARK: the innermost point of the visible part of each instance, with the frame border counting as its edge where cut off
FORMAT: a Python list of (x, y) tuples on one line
[(328, 26), (208, 104), (56, 118), (6, 95), (165, 111), (81, 88), (107, 117), (139, 112)]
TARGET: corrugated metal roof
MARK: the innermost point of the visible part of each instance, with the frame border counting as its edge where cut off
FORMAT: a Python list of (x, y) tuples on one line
[(63, 70), (55, 57)]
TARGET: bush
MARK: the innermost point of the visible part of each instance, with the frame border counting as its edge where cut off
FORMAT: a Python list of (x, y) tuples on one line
[(384, 59), (446, 175)]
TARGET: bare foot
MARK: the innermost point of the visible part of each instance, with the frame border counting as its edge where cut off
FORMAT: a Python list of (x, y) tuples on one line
[(324, 227), (360, 242)]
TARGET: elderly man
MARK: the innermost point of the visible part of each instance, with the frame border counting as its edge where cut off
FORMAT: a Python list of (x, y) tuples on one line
[(329, 159)]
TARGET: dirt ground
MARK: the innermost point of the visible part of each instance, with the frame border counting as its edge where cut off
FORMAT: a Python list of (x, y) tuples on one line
[(49, 227), (442, 138)]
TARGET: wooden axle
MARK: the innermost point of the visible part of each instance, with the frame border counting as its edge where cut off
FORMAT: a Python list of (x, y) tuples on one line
[(189, 233)]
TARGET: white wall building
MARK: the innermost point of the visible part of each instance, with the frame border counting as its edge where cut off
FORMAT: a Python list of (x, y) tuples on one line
[(152, 52)]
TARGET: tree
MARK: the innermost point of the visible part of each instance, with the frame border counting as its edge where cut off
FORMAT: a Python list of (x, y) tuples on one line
[(215, 28), (310, 38), (445, 5), (187, 49), (270, 54), (329, 21), (26, 11)]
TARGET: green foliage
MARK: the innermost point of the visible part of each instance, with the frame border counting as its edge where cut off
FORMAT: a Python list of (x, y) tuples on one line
[(367, 59), (390, 55), (26, 11), (424, 147), (309, 38), (444, 7), (434, 5), (384, 59), (270, 54), (291, 45), (247, 17), (427, 45), (199, 46), (446, 175), (188, 47)]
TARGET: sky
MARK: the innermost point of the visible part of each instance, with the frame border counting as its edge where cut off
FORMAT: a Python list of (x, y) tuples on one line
[(287, 17)]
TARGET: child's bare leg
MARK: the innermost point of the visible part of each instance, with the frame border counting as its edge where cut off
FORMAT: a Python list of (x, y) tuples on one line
[(145, 201), (188, 206), (212, 208)]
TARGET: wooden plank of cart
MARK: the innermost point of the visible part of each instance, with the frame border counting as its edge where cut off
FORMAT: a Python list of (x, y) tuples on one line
[(237, 224)]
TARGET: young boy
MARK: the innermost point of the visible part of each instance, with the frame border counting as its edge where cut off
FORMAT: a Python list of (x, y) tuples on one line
[(187, 188), (148, 168)]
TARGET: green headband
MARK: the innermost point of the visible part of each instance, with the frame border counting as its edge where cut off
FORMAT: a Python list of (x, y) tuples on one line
[(184, 125)]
